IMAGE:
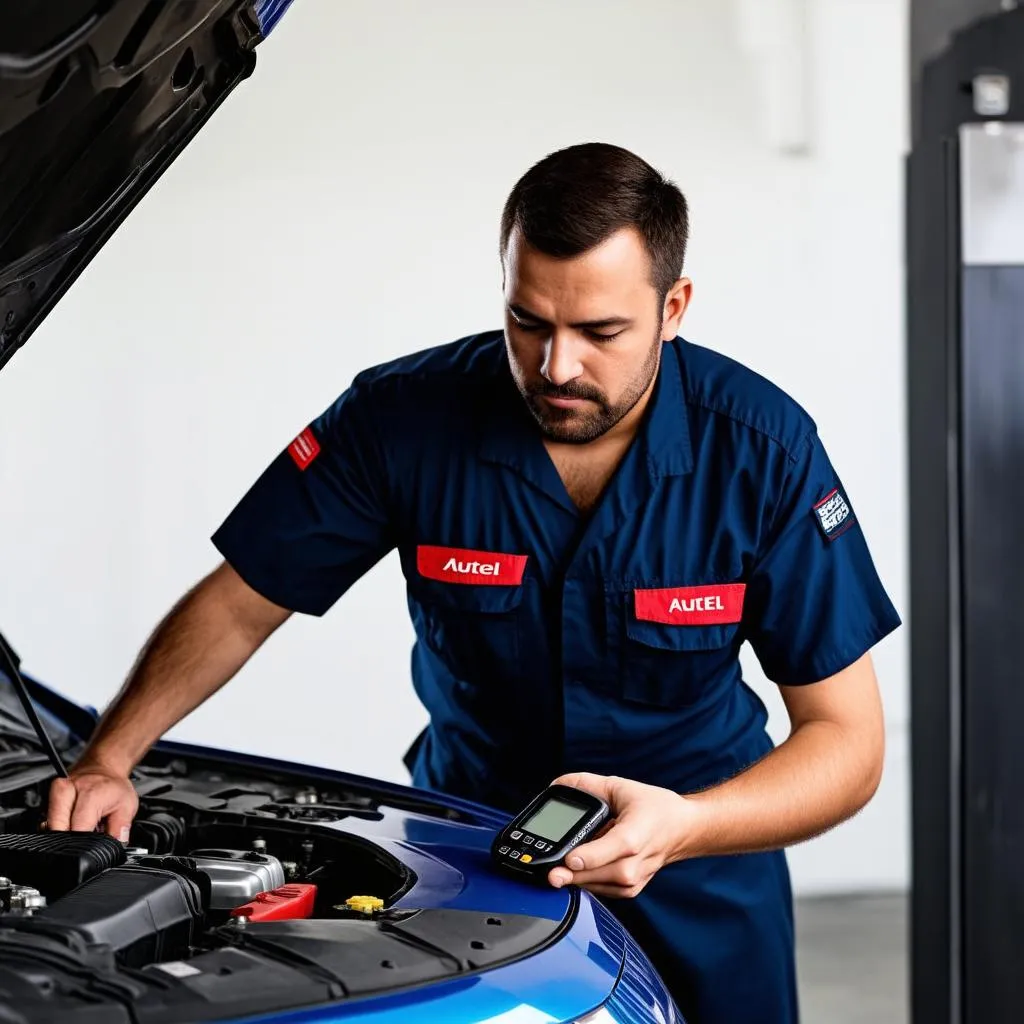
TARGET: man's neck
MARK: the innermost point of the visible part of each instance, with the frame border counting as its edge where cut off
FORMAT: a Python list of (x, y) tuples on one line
[(586, 469)]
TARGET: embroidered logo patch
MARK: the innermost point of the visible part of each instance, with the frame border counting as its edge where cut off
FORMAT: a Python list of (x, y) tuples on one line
[(462, 565), (834, 514), (304, 449), (691, 606)]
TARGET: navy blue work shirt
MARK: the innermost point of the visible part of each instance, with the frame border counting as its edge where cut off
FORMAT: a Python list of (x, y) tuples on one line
[(548, 640)]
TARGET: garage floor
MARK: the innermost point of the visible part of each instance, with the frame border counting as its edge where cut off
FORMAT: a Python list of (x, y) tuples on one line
[(852, 959)]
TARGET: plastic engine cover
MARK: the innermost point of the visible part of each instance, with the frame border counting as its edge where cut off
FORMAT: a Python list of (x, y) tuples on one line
[(384, 954), (55, 863), (50, 973), (143, 914), (228, 982)]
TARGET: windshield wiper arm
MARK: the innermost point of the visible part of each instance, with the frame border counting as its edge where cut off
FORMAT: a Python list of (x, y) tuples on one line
[(10, 662)]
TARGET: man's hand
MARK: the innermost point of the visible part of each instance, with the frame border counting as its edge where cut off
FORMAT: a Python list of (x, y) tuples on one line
[(93, 794), (645, 834), (825, 771)]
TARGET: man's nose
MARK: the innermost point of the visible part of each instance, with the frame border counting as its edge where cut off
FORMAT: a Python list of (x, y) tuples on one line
[(561, 360)]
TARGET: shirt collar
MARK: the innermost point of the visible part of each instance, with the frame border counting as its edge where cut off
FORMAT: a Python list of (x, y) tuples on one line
[(508, 435), (665, 431)]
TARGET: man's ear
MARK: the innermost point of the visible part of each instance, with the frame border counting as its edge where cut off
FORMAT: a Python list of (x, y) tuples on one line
[(676, 302)]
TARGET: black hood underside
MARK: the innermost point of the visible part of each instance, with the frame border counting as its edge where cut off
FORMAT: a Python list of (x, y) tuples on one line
[(97, 97)]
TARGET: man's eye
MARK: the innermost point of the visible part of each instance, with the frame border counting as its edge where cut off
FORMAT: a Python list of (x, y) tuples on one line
[(592, 335)]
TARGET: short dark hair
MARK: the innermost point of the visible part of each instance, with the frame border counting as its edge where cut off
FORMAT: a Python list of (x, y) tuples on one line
[(574, 199)]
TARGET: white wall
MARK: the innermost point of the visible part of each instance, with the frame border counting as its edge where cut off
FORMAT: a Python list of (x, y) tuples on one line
[(342, 209)]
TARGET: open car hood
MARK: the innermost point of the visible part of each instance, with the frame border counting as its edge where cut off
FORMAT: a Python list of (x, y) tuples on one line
[(97, 97)]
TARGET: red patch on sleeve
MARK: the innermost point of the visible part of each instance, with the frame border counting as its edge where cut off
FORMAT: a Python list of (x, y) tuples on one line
[(304, 449)]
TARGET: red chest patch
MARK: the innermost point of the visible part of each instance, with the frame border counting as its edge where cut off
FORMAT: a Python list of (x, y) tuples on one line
[(304, 449), (461, 565), (691, 606)]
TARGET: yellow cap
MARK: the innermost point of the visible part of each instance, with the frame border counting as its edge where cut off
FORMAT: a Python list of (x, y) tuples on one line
[(364, 904), (526, 858)]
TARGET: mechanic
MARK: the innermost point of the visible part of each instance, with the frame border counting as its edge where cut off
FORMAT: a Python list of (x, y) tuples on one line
[(592, 516)]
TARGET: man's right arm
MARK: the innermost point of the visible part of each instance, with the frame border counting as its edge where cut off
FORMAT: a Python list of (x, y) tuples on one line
[(316, 519), (200, 645)]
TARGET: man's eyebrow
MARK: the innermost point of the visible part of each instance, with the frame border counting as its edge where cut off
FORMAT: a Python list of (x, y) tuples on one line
[(522, 313)]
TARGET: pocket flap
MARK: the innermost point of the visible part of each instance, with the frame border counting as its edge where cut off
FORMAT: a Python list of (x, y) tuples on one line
[(466, 597), (680, 638)]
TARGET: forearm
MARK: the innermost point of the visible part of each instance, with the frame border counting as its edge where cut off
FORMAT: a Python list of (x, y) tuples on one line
[(199, 646), (819, 777)]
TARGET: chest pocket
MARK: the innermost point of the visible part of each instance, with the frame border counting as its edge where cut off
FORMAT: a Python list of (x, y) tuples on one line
[(475, 630), (664, 664)]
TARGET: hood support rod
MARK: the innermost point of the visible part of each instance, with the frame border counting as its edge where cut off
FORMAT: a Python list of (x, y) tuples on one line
[(9, 662)]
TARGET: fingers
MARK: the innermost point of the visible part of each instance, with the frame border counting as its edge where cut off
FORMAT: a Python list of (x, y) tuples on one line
[(618, 843), (82, 804), (614, 892), (62, 800), (622, 879), (88, 810), (614, 859), (615, 843), (622, 874), (120, 813), (119, 824)]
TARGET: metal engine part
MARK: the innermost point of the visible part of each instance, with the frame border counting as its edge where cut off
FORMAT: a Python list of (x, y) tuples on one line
[(19, 897), (238, 876)]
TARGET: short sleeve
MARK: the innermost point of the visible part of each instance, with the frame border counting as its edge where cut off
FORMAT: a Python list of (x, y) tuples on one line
[(318, 516), (814, 602)]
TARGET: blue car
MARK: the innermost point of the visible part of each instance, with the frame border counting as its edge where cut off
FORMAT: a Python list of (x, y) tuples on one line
[(249, 889)]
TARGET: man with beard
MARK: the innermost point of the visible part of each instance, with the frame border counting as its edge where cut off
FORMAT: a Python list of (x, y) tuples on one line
[(592, 515)]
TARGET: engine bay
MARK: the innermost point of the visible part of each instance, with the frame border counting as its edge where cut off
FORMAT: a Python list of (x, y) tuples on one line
[(237, 892)]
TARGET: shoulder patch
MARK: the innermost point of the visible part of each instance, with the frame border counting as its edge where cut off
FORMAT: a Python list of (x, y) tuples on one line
[(304, 449), (834, 514)]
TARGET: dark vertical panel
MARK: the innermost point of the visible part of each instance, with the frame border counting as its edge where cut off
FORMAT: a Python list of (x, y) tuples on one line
[(993, 699), (966, 301), (932, 315)]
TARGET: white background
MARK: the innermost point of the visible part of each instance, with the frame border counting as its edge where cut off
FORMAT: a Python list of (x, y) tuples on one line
[(342, 209)]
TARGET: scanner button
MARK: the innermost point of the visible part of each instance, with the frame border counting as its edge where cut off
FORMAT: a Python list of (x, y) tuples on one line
[(525, 859)]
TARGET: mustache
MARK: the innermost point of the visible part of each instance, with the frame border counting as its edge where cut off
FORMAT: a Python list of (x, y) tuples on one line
[(571, 389)]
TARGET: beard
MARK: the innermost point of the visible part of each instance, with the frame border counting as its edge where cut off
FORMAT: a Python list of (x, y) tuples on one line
[(586, 424)]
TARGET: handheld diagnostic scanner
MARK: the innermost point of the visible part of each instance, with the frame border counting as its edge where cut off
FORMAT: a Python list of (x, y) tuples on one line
[(542, 835)]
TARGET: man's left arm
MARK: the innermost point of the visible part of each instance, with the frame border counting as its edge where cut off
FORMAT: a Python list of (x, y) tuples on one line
[(824, 773)]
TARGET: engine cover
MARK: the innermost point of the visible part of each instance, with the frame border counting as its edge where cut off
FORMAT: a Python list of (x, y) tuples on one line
[(57, 863), (142, 913), (238, 876)]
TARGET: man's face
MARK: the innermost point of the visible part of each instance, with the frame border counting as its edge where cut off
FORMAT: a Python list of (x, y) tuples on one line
[(584, 334)]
